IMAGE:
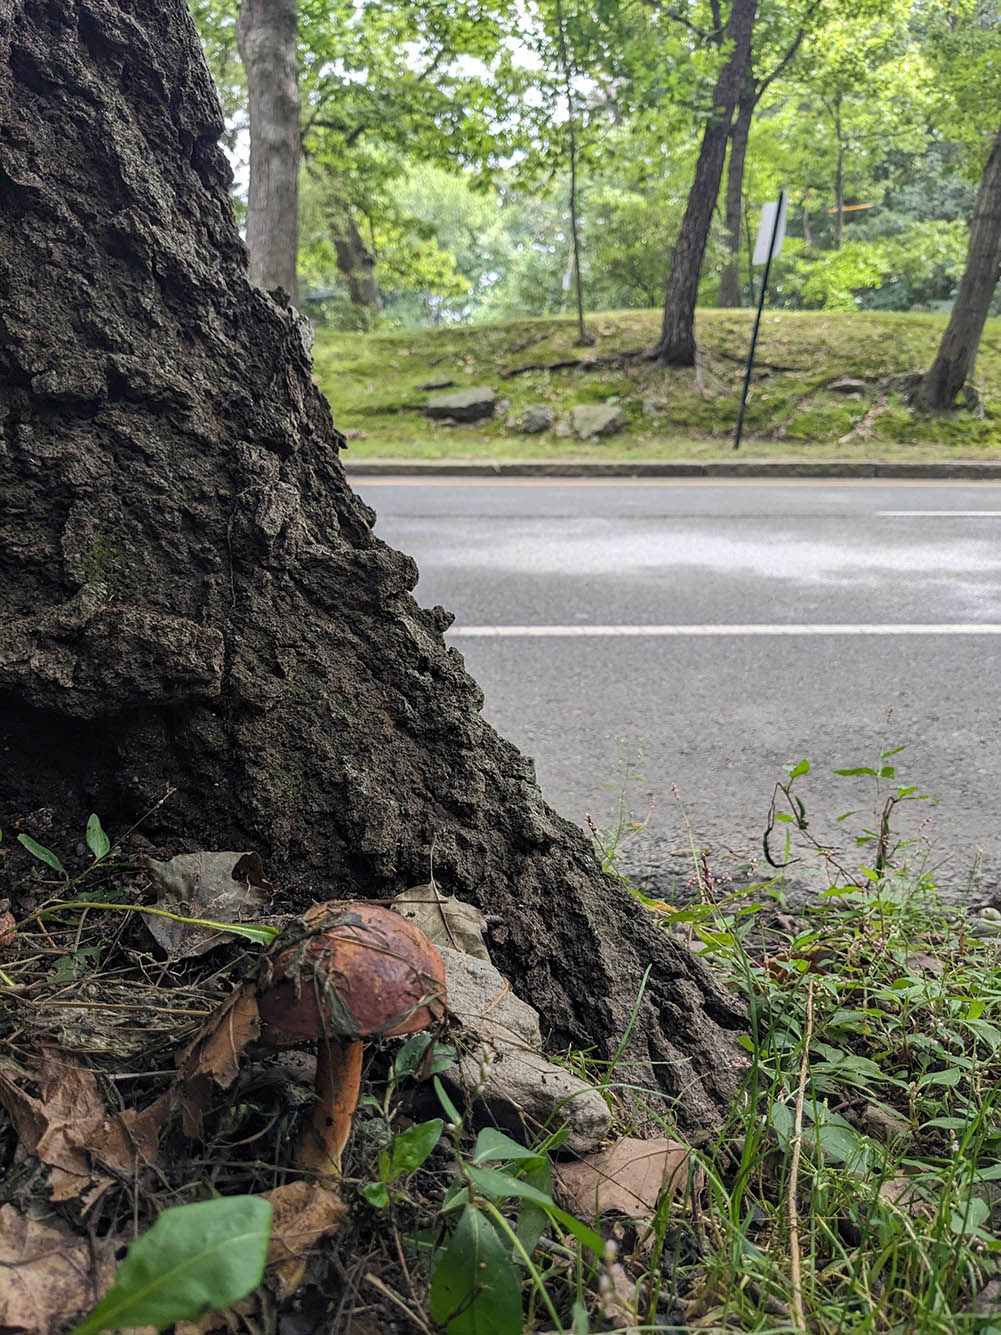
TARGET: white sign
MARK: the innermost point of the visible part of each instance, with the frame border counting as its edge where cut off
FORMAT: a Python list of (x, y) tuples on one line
[(767, 228)]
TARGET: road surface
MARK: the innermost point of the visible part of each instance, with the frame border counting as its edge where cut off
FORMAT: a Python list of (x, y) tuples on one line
[(647, 639)]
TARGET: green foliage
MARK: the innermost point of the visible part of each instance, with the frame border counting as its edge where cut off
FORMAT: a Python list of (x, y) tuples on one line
[(195, 1259)]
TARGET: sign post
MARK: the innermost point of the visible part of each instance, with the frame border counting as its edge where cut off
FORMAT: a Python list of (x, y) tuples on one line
[(771, 233)]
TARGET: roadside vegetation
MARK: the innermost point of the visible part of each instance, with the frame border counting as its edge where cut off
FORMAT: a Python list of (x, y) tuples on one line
[(854, 1188), (374, 384)]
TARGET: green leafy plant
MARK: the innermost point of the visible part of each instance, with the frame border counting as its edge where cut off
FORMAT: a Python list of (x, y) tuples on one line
[(195, 1259)]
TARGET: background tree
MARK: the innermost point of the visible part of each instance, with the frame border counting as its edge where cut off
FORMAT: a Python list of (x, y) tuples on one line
[(964, 42), (677, 339), (266, 33), (193, 597)]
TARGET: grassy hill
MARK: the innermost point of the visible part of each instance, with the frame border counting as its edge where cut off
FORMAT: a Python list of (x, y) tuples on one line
[(374, 384)]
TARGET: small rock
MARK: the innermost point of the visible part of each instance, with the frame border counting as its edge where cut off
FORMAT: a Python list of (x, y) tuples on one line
[(518, 1082), (563, 429), (532, 419), (469, 405), (653, 406), (847, 386), (597, 419)]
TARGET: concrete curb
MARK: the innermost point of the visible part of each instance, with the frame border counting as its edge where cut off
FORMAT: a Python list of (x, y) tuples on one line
[(964, 471)]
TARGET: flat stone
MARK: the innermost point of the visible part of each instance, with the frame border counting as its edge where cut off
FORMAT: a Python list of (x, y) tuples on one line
[(597, 419), (847, 385), (532, 419), (503, 1054), (468, 405)]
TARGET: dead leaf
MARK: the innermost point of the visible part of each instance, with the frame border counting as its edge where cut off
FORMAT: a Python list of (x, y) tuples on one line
[(444, 919), (304, 1212), (227, 887), (629, 1177), (8, 924), (69, 1128), (48, 1277), (214, 1056)]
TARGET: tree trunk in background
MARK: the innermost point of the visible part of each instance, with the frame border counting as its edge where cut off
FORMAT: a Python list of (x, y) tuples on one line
[(729, 283), (267, 31), (677, 340), (355, 262), (957, 352), (192, 596)]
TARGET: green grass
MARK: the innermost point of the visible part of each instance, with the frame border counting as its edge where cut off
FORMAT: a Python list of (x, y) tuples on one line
[(372, 382)]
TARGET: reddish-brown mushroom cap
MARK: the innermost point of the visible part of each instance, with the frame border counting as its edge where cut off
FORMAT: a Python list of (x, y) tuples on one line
[(350, 972)]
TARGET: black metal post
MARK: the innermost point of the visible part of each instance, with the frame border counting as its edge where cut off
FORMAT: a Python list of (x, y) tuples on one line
[(757, 320)]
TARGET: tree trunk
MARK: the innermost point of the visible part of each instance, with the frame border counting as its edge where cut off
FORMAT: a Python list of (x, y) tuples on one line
[(267, 31), (355, 262), (677, 340), (729, 283), (839, 192), (957, 352), (192, 596)]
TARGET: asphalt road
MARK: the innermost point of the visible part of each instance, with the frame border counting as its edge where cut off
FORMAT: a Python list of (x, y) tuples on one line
[(703, 635)]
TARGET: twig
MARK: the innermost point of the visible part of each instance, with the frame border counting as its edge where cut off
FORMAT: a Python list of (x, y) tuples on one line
[(387, 1292), (796, 1303)]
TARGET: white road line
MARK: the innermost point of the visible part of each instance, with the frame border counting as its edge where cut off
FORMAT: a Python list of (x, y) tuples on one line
[(553, 632), (941, 514)]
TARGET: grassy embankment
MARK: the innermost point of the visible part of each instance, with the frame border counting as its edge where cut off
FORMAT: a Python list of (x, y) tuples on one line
[(373, 380)]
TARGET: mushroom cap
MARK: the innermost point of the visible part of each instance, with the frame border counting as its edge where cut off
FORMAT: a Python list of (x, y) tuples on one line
[(358, 970)]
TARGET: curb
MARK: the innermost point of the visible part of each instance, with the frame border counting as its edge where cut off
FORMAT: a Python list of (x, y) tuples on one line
[(966, 471)]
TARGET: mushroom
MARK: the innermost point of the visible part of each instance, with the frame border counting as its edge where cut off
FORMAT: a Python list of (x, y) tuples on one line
[(342, 973)]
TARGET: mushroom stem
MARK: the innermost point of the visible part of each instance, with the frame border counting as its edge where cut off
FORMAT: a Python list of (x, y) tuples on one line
[(338, 1084)]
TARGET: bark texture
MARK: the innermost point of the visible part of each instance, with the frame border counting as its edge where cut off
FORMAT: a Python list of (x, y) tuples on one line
[(957, 353), (193, 596), (266, 32), (355, 262), (677, 339), (729, 283)]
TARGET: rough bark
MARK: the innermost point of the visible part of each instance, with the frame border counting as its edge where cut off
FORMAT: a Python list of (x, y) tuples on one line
[(957, 353), (192, 595), (729, 283), (355, 262), (677, 340), (266, 32)]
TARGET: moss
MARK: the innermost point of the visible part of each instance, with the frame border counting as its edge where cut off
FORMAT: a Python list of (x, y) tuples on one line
[(372, 381)]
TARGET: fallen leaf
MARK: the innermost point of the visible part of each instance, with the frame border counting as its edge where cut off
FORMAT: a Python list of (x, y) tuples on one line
[(69, 1128), (214, 1056), (444, 919), (304, 1212), (8, 924), (227, 887), (47, 1275), (629, 1177)]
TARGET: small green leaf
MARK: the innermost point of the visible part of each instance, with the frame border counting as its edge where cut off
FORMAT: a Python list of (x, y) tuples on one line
[(413, 1146), (802, 768), (195, 1259), (376, 1194), (97, 841), (887, 772), (497, 1186), (859, 769), (451, 1111), (43, 854), (493, 1144), (475, 1290)]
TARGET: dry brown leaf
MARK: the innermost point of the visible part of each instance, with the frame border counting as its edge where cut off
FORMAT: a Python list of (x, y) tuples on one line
[(214, 1056), (226, 887), (48, 1277), (629, 1177), (304, 1212), (68, 1127)]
